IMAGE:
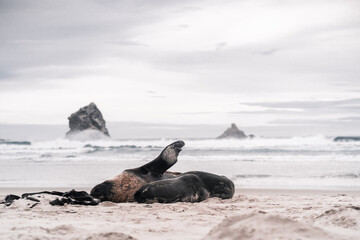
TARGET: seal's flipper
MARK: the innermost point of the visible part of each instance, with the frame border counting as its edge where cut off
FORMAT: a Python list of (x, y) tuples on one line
[(166, 159)]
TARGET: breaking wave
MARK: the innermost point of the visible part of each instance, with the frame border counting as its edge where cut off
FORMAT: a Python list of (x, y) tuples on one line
[(314, 161)]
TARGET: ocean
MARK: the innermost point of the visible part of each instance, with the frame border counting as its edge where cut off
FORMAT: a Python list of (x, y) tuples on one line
[(315, 162)]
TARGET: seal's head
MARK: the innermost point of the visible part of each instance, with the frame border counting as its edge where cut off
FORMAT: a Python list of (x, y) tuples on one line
[(171, 152), (103, 191)]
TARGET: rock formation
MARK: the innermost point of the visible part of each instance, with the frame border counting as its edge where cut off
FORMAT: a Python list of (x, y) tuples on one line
[(346, 139), (87, 118), (232, 132)]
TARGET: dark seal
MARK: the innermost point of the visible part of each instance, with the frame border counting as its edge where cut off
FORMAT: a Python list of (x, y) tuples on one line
[(152, 183)]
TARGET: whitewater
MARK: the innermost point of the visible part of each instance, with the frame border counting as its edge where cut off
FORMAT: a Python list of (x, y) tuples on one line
[(314, 162)]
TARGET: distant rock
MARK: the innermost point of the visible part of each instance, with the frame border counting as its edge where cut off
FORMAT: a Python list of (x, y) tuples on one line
[(346, 139), (87, 119), (232, 132), (9, 142)]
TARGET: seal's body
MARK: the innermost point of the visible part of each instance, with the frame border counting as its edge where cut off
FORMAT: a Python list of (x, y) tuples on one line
[(152, 183), (187, 187)]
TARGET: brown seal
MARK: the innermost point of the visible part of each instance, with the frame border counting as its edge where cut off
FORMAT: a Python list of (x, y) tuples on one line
[(123, 187)]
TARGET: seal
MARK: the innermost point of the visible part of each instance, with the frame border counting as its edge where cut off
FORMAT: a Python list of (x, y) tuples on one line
[(192, 186), (152, 183), (123, 186)]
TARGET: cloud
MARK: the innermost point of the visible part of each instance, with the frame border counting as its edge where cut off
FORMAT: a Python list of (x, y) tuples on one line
[(187, 9), (220, 45), (129, 43), (313, 122), (40, 34), (205, 57), (268, 111), (303, 122), (355, 119), (198, 113), (269, 52), (154, 94), (182, 26), (353, 103)]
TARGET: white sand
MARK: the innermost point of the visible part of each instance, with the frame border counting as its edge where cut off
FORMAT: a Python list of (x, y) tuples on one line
[(251, 214)]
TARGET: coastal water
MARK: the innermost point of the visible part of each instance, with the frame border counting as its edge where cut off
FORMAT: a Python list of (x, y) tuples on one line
[(315, 162)]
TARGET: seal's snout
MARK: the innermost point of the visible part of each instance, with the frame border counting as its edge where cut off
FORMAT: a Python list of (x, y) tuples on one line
[(178, 146)]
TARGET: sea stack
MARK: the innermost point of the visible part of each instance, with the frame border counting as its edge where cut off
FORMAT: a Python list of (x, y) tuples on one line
[(232, 132), (89, 119), (346, 139)]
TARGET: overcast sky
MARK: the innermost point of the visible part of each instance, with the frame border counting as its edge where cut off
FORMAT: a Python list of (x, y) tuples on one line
[(263, 63)]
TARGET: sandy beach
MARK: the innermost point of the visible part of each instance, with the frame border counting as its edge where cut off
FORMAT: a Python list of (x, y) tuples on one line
[(250, 214)]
